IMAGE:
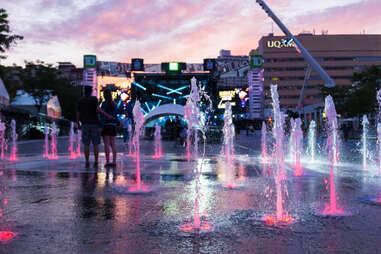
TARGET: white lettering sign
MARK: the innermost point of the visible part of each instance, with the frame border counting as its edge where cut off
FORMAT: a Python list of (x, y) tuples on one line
[(283, 43)]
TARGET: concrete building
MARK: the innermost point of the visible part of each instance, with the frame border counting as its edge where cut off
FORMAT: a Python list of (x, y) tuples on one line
[(339, 55)]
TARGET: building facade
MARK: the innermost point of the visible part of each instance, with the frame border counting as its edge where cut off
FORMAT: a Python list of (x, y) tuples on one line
[(339, 55)]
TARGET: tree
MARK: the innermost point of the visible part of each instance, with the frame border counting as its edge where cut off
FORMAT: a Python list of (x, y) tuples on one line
[(38, 81), (361, 96), (6, 38), (41, 81)]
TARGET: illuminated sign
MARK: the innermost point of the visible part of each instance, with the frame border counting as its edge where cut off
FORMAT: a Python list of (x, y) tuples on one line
[(283, 43), (256, 61), (226, 95), (173, 66), (89, 61)]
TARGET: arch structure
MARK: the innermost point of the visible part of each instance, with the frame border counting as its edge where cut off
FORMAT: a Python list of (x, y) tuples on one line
[(164, 110)]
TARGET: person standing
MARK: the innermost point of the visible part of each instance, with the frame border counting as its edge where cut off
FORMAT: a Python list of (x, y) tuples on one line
[(109, 127), (87, 121), (126, 121)]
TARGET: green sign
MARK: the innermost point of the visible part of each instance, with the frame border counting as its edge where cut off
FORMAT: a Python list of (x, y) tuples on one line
[(256, 61), (89, 61), (173, 66)]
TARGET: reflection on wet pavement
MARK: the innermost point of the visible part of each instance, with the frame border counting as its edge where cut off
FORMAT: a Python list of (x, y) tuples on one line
[(59, 206)]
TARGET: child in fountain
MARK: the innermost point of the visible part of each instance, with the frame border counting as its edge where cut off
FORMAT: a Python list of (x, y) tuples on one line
[(109, 127), (87, 116)]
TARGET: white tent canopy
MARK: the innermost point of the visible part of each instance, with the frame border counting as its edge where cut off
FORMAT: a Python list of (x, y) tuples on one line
[(165, 109)]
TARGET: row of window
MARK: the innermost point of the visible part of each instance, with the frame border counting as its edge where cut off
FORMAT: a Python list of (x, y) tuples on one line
[(324, 59), (305, 68), (302, 78)]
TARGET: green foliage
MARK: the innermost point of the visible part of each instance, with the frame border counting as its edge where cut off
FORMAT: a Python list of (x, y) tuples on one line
[(361, 97), (42, 80), (10, 78), (6, 38)]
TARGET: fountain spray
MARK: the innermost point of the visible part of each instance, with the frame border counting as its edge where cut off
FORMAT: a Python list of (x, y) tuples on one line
[(13, 156), (228, 149), (365, 124), (333, 146), (264, 142), (53, 143), (46, 141), (158, 146), (280, 176), (3, 140), (139, 121), (379, 128), (78, 147), (297, 141), (71, 148), (312, 140)]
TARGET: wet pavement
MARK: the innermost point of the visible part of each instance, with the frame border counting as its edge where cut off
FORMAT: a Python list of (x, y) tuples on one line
[(59, 206)]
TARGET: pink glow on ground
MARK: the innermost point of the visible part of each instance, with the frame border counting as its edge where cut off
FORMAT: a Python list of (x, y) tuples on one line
[(229, 185), (335, 211), (188, 227), (298, 170), (6, 235), (139, 189), (157, 156), (13, 156), (271, 219), (331, 208)]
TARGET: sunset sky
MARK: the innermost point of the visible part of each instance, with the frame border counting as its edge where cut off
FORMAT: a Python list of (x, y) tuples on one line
[(169, 30)]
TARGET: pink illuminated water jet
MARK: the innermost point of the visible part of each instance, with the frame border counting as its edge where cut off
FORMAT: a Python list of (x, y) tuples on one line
[(297, 146), (3, 140), (228, 148), (278, 155), (333, 147), (139, 121), (53, 143), (72, 148)]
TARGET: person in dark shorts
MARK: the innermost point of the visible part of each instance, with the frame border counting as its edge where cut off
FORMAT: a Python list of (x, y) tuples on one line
[(88, 122), (109, 127)]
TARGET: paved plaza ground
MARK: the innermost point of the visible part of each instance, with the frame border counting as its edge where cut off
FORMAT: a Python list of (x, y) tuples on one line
[(59, 206)]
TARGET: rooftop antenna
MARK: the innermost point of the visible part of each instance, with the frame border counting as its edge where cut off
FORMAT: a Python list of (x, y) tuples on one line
[(328, 82)]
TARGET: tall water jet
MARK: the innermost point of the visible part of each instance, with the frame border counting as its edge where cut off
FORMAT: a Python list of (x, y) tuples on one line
[(379, 129), (197, 121), (191, 115), (130, 143), (3, 140), (365, 124), (139, 121), (264, 142), (228, 149), (312, 140), (158, 147), (297, 144), (13, 156), (46, 141), (279, 175), (72, 138), (333, 152), (53, 143)]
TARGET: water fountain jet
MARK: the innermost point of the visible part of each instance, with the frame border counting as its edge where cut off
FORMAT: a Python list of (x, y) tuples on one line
[(158, 147), (13, 155)]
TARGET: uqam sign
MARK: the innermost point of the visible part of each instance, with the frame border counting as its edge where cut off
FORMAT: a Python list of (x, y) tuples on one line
[(283, 43)]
